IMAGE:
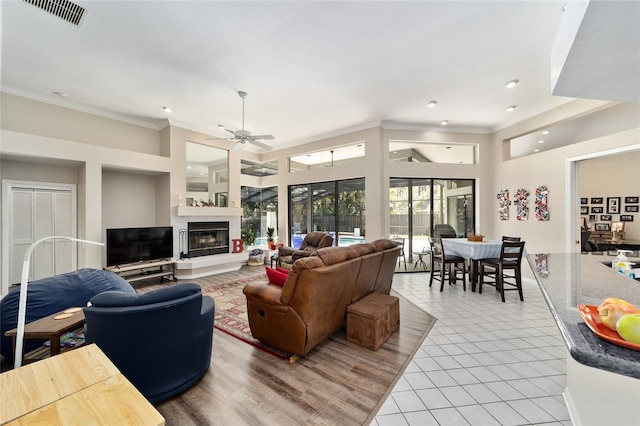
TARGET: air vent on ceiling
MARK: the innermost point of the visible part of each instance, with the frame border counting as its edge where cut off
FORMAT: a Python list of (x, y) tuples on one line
[(64, 9)]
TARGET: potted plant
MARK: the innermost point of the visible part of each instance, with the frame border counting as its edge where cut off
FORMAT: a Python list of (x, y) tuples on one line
[(270, 233), (248, 236)]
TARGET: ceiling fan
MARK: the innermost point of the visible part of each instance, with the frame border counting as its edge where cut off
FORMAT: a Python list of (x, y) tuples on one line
[(243, 136)]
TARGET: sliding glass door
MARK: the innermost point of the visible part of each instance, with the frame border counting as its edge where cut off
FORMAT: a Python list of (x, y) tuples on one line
[(335, 207), (417, 205)]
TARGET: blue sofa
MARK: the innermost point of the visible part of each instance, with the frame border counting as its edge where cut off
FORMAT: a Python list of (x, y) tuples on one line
[(49, 295), (161, 340)]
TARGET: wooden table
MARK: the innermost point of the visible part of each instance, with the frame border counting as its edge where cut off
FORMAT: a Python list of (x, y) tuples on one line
[(49, 328), (76, 387)]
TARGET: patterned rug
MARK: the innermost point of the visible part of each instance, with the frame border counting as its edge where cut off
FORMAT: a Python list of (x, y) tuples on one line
[(231, 313)]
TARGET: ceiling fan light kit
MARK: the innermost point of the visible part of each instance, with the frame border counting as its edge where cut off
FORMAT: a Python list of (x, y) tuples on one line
[(243, 136)]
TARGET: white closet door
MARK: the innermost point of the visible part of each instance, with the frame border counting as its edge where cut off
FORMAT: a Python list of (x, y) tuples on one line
[(35, 213), (20, 230)]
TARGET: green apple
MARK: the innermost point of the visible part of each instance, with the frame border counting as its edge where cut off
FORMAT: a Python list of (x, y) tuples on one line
[(628, 327)]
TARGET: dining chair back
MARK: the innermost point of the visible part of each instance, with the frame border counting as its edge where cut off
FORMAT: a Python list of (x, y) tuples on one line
[(512, 239), (448, 266), (444, 230), (497, 269)]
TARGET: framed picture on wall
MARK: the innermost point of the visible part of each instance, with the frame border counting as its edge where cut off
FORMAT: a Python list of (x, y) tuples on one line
[(631, 200), (596, 200), (617, 226), (602, 227), (592, 218), (626, 218), (597, 209), (584, 201), (631, 209), (605, 217), (613, 205), (584, 210)]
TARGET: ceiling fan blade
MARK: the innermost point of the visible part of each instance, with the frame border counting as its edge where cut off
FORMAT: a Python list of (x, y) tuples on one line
[(260, 145), (218, 139), (230, 131), (263, 137), (237, 146)]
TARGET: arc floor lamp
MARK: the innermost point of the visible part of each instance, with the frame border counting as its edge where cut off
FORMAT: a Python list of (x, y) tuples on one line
[(22, 304)]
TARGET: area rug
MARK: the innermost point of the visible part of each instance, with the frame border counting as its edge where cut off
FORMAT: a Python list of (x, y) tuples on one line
[(231, 313)]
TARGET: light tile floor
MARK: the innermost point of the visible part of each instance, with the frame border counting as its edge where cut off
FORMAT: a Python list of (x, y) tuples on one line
[(484, 362)]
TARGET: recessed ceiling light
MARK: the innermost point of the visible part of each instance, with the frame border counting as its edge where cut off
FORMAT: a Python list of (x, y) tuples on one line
[(511, 108), (61, 94), (536, 150), (221, 126), (166, 109), (448, 147), (432, 104), (444, 122), (511, 83), (541, 141), (545, 132)]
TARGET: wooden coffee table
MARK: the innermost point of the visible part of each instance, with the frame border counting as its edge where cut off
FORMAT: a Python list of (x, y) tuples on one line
[(50, 328)]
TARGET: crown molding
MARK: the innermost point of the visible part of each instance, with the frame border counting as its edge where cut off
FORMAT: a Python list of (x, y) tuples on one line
[(394, 125), (153, 124)]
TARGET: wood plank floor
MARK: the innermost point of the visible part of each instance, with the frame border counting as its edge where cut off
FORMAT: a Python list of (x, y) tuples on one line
[(338, 382)]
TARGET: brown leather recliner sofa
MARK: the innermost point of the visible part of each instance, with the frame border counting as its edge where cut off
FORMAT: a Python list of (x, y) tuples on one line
[(313, 302), (311, 242)]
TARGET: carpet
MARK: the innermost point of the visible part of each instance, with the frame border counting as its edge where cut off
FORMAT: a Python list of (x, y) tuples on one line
[(231, 313)]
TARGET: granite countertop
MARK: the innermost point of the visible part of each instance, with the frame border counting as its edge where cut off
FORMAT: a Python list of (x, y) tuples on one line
[(569, 279)]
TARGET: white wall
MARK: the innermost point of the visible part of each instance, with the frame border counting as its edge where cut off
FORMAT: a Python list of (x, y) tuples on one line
[(553, 169), (129, 200), (103, 168)]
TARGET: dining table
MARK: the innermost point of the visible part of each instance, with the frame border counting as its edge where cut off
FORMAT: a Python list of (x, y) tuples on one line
[(473, 251)]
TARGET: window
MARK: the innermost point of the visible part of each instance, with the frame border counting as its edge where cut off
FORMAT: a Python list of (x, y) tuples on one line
[(417, 205), (336, 207), (429, 152), (252, 168), (339, 155), (260, 211)]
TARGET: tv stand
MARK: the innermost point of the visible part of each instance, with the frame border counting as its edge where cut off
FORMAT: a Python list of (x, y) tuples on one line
[(164, 268)]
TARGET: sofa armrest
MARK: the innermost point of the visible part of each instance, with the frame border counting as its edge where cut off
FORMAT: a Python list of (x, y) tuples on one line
[(299, 254), (286, 251), (270, 293)]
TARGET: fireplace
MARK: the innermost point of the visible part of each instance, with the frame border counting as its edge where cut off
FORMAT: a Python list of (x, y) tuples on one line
[(207, 238)]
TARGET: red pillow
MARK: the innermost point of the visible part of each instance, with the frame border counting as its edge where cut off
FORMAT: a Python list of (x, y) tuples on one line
[(275, 277), (284, 271)]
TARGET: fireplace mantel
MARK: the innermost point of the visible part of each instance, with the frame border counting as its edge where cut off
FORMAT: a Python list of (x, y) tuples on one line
[(209, 211)]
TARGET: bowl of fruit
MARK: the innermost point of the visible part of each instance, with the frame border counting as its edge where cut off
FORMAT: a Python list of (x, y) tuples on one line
[(615, 320)]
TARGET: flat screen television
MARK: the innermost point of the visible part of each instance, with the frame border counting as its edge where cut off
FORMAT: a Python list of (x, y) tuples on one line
[(130, 245)]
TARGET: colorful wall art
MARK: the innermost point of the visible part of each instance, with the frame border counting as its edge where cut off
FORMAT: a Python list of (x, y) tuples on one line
[(522, 204), (542, 211), (503, 204)]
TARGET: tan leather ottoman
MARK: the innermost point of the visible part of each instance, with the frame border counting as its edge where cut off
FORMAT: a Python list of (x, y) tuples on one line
[(368, 323), (394, 307)]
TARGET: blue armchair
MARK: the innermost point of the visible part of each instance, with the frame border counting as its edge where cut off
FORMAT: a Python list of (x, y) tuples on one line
[(160, 340)]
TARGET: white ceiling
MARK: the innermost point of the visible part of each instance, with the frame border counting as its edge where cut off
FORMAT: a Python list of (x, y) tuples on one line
[(311, 68)]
